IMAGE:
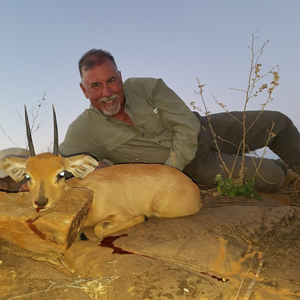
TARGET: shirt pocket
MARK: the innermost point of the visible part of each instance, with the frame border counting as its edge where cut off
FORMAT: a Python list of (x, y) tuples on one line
[(154, 125), (119, 140)]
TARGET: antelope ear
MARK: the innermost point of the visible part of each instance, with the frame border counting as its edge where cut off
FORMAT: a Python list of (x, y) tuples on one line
[(15, 167), (80, 165)]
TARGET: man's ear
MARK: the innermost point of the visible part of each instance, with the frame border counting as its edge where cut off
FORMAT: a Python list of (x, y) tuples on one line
[(80, 165), (83, 90), (15, 167)]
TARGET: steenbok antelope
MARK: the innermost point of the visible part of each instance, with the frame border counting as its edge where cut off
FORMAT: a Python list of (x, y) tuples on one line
[(123, 194)]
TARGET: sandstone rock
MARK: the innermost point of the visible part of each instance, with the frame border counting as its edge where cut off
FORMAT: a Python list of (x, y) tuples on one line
[(54, 229), (225, 252), (233, 248)]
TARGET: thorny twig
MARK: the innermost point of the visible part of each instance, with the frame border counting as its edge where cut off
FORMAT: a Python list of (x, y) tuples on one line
[(254, 78), (35, 113)]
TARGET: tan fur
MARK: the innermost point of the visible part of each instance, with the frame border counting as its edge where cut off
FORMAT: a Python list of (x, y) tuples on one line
[(123, 194), (9, 152)]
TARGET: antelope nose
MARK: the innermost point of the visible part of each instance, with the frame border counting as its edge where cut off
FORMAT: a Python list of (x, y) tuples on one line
[(42, 202)]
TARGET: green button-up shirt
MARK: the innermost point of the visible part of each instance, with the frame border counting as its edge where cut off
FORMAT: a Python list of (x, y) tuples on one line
[(165, 130)]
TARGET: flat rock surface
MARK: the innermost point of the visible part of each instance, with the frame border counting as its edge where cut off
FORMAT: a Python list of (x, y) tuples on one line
[(54, 229), (232, 249)]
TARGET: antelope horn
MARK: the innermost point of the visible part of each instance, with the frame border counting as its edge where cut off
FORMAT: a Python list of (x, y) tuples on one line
[(29, 137), (55, 143)]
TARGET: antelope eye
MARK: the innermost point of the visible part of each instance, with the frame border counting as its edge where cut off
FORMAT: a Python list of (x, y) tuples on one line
[(61, 175)]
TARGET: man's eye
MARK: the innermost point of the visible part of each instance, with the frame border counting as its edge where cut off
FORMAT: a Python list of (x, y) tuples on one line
[(112, 80)]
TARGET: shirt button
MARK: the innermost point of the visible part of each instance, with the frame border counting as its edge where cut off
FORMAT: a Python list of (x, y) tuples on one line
[(136, 158)]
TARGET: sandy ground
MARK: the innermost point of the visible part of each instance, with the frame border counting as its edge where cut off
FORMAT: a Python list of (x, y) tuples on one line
[(232, 249)]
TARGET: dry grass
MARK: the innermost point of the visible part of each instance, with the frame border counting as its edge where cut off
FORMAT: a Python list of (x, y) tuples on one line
[(95, 288)]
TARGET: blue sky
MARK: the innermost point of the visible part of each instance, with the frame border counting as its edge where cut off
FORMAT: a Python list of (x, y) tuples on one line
[(42, 41)]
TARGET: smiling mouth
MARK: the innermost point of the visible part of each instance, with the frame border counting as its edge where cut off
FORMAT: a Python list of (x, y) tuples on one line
[(108, 100)]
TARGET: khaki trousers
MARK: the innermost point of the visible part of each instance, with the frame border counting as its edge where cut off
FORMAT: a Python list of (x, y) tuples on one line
[(286, 144)]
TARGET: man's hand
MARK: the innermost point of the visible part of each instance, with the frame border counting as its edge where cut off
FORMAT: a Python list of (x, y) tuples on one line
[(104, 163), (3, 185), (9, 185)]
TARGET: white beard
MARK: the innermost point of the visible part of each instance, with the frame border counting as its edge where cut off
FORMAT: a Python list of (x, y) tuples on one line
[(112, 110)]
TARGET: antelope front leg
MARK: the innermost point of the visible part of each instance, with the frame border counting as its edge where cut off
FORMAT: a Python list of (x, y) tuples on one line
[(114, 224)]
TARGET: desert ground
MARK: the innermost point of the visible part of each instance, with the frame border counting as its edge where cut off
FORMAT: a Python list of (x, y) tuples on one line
[(234, 248)]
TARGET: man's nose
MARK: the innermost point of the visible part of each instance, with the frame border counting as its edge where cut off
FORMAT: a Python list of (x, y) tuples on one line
[(106, 92)]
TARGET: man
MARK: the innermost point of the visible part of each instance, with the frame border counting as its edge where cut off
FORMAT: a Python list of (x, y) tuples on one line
[(143, 121)]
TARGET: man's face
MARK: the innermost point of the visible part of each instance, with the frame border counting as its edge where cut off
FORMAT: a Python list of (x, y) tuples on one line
[(103, 86)]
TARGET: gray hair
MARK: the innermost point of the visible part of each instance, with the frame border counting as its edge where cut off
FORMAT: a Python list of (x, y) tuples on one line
[(94, 57)]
